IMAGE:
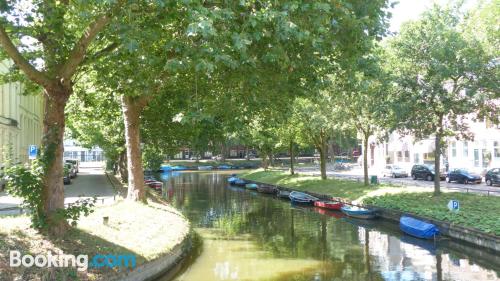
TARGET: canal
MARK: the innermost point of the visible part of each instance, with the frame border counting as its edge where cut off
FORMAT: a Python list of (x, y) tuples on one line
[(245, 235)]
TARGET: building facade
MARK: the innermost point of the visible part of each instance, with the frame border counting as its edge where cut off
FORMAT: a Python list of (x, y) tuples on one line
[(21, 119), (477, 154), (72, 150)]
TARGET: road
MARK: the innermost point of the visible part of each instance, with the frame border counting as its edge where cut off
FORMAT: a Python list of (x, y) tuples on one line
[(357, 174), (91, 181)]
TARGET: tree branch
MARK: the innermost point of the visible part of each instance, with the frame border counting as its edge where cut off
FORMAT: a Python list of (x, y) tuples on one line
[(34, 75), (101, 52), (78, 53)]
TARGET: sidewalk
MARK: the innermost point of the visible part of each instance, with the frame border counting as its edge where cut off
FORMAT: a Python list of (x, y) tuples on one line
[(90, 182)]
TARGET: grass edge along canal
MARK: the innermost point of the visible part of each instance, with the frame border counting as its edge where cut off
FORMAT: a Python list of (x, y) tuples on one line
[(476, 211)]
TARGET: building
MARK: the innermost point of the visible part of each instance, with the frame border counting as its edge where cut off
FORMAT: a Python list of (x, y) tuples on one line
[(72, 150), (21, 119), (478, 154)]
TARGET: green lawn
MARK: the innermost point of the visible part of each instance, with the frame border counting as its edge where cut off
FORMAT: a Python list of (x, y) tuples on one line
[(477, 211)]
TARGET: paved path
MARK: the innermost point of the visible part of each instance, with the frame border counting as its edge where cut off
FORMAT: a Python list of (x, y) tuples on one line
[(90, 182)]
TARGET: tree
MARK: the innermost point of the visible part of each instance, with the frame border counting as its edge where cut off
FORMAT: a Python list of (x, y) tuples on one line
[(364, 92), (53, 41), (440, 75), (317, 120)]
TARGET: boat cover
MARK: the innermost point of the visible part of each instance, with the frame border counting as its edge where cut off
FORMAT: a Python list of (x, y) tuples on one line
[(418, 228)]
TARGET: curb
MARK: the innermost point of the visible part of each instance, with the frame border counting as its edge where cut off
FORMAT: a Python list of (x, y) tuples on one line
[(468, 235), (167, 264)]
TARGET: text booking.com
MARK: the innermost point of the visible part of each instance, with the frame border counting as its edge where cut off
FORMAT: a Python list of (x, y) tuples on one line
[(80, 262)]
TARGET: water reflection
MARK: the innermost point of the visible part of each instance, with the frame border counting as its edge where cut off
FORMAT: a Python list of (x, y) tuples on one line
[(249, 236)]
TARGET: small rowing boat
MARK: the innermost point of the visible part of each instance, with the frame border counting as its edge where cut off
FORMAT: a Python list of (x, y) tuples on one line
[(251, 186), (332, 205), (232, 180), (285, 194), (357, 212), (240, 182), (266, 189), (302, 198), (418, 228)]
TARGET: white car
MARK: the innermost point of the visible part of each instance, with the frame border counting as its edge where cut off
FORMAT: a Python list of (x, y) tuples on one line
[(395, 171)]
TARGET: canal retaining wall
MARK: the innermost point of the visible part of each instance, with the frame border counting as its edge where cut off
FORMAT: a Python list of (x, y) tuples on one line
[(163, 265), (469, 235)]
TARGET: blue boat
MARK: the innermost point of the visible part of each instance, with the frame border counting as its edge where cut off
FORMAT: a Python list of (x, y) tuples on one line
[(179, 168), (166, 168), (240, 182), (418, 228), (357, 212), (302, 198), (224, 167), (232, 180), (251, 186), (204, 168)]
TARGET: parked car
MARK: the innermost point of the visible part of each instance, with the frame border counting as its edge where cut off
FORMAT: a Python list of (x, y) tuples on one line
[(425, 172), (71, 169), (217, 157), (395, 171), (75, 162), (67, 177), (492, 176), (194, 157), (3, 182), (463, 176)]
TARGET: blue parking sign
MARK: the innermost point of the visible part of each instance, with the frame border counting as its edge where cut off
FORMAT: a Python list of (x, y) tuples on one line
[(453, 205), (32, 152)]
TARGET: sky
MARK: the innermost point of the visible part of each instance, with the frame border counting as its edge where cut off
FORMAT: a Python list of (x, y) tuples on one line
[(411, 9)]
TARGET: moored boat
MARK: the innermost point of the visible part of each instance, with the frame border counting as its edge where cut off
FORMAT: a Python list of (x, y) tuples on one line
[(357, 212), (240, 182), (251, 186), (266, 189), (285, 194), (179, 168), (205, 168), (302, 198), (332, 205), (232, 180), (224, 167), (418, 228), (157, 185)]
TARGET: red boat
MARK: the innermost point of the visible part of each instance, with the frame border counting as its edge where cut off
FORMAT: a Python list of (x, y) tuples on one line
[(154, 184), (332, 205)]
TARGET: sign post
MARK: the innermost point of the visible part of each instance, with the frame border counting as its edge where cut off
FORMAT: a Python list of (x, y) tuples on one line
[(454, 205), (32, 152)]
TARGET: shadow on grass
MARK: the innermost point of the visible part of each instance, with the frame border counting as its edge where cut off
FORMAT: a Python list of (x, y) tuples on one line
[(75, 242)]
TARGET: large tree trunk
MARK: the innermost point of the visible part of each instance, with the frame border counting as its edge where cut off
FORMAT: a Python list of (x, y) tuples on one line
[(365, 158), (437, 162), (132, 108), (52, 156), (322, 159), (292, 170), (122, 166)]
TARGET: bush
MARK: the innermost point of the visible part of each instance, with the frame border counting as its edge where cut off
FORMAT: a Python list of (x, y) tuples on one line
[(27, 183)]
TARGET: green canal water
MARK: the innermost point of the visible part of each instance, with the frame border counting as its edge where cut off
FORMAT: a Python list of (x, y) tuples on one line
[(245, 235)]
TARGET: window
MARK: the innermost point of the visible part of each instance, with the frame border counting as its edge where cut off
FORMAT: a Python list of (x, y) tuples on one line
[(400, 156), (476, 157), (496, 149), (466, 149), (416, 158), (454, 149), (407, 156)]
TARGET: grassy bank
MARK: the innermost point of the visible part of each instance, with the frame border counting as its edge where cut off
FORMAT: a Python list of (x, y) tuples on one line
[(145, 231), (352, 190), (477, 211)]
